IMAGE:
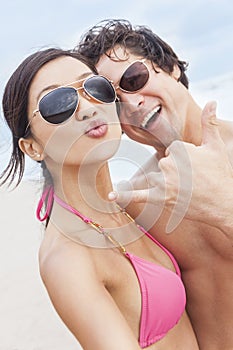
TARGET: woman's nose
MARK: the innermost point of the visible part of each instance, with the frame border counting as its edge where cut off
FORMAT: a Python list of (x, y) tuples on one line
[(86, 108)]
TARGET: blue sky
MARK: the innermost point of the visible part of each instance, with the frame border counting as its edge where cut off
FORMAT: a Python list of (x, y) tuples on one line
[(199, 31)]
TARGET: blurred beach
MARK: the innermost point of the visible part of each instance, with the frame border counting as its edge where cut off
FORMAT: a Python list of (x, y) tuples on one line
[(27, 318)]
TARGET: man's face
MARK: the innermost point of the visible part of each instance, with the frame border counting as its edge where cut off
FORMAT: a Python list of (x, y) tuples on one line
[(155, 114)]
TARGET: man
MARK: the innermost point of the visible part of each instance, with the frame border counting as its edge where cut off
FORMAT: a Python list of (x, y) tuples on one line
[(157, 109)]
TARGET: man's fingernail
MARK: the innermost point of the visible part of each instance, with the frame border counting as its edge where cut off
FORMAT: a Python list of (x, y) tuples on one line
[(212, 108), (112, 195)]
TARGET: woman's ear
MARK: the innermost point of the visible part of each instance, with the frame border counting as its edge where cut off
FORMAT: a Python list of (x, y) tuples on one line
[(30, 147)]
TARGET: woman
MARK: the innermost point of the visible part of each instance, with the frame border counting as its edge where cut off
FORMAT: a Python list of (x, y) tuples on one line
[(112, 284)]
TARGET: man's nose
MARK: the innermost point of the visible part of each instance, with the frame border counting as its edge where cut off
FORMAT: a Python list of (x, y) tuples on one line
[(130, 104), (132, 101)]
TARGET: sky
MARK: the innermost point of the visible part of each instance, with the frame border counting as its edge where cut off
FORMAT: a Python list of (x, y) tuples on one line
[(200, 32)]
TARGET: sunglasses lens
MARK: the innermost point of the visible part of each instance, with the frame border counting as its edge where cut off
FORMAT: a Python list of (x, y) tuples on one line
[(100, 89), (135, 77), (58, 105)]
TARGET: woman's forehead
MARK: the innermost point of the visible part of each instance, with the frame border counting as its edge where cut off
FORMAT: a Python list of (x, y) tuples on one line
[(60, 71)]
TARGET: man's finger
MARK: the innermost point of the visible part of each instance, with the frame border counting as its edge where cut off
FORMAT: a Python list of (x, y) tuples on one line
[(126, 197), (210, 131)]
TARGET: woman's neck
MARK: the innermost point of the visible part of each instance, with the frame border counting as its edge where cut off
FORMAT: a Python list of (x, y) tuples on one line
[(85, 188)]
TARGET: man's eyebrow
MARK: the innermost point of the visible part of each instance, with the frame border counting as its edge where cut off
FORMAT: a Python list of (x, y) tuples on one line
[(55, 86)]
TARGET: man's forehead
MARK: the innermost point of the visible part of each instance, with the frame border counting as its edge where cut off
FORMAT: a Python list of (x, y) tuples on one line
[(118, 53)]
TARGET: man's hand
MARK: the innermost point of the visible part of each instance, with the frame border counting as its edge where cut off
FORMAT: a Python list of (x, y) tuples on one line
[(195, 182)]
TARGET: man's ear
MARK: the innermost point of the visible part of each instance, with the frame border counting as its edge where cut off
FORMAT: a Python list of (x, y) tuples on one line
[(176, 72), (30, 147)]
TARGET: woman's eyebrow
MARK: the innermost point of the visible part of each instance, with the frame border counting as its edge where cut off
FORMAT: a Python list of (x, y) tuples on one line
[(54, 86), (50, 87)]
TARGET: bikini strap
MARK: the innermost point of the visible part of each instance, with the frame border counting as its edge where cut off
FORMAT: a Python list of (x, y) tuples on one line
[(46, 198), (90, 222), (71, 209)]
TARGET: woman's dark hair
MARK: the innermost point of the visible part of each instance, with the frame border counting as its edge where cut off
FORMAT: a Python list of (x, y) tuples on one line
[(15, 105), (139, 40)]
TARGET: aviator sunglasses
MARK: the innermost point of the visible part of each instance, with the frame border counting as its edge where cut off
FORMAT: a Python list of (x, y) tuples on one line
[(58, 105), (134, 77)]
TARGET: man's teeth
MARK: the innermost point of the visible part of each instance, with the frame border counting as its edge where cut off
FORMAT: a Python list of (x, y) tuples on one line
[(150, 116)]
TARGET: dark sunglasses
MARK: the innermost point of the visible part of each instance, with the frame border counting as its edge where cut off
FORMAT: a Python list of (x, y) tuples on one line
[(58, 105), (134, 77)]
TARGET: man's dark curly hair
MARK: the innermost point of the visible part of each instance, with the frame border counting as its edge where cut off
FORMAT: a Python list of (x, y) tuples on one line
[(138, 40)]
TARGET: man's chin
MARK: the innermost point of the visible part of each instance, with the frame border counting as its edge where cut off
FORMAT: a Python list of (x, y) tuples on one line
[(139, 135)]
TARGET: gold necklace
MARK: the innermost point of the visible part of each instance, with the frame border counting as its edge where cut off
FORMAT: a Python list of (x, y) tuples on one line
[(99, 228)]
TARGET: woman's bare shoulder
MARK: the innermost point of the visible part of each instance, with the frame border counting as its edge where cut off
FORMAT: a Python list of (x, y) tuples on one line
[(58, 255)]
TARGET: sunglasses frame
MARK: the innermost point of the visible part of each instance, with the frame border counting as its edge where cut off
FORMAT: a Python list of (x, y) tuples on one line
[(87, 95), (148, 70)]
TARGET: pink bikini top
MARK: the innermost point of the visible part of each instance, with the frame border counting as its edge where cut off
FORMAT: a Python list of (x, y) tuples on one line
[(163, 295)]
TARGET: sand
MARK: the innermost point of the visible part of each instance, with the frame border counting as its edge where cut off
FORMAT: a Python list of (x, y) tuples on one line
[(27, 318)]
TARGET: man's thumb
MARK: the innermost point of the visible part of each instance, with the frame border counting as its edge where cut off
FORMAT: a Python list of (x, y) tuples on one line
[(210, 132)]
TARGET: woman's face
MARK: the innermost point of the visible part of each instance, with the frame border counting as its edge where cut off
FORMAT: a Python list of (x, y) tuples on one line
[(91, 134)]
